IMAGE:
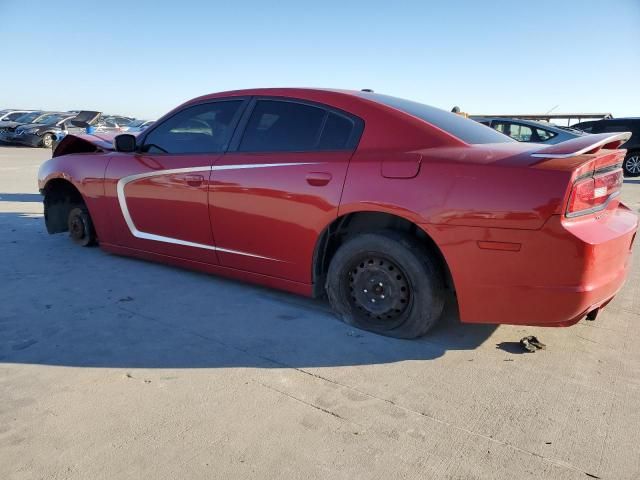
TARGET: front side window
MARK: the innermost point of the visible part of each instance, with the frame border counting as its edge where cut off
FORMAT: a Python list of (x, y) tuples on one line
[(205, 128), (521, 133)]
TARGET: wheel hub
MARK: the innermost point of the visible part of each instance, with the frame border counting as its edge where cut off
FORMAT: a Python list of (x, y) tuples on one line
[(378, 288)]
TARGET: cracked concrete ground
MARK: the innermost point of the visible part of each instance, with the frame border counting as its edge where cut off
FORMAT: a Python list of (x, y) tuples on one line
[(117, 368)]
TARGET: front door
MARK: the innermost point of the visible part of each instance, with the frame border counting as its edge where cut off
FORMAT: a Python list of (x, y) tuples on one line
[(161, 191), (279, 186)]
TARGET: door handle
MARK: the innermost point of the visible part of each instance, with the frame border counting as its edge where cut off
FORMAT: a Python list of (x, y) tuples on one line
[(318, 179), (194, 180)]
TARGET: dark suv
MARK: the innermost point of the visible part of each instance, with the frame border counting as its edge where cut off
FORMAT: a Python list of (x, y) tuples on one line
[(631, 164)]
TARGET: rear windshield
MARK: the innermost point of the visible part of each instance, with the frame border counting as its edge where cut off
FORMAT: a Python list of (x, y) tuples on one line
[(469, 131)]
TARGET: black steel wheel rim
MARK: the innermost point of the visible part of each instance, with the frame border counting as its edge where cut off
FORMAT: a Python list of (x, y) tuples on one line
[(379, 290)]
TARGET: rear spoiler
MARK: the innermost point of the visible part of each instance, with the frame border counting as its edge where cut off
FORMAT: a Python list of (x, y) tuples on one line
[(587, 144)]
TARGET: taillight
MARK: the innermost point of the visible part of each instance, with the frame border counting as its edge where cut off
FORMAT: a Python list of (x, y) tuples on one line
[(592, 194)]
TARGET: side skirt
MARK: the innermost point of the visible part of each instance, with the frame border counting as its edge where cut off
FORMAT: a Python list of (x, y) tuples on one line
[(257, 278)]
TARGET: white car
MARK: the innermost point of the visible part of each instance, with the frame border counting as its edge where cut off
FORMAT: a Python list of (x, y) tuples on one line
[(10, 115)]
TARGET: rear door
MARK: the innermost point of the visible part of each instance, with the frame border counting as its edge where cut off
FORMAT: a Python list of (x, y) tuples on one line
[(162, 190), (280, 184)]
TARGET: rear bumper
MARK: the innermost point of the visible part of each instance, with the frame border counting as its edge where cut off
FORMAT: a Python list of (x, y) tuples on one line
[(553, 276)]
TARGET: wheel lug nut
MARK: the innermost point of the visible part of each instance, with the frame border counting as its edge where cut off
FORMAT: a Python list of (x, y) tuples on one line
[(365, 291), (373, 300), (380, 283), (381, 296)]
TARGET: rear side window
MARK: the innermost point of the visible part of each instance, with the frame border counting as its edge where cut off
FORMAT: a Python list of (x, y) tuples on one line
[(205, 128), (276, 126), (545, 135), (285, 126), (336, 133), (469, 131), (615, 127), (584, 126)]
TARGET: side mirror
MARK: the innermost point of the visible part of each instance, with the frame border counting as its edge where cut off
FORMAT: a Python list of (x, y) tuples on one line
[(125, 143)]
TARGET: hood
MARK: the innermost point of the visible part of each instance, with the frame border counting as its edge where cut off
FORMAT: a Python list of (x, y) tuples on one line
[(10, 125), (27, 126), (87, 143)]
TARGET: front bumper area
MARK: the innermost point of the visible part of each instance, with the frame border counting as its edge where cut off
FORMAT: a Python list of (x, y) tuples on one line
[(29, 139), (549, 277)]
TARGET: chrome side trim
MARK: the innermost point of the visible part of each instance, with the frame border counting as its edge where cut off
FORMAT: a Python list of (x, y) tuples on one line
[(261, 165), (122, 200)]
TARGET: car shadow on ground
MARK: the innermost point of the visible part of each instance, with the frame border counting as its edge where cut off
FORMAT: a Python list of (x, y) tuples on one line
[(80, 307), (632, 181), (21, 197)]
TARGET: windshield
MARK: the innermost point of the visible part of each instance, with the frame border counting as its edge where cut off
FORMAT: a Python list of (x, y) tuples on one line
[(50, 119), (469, 131), (28, 117)]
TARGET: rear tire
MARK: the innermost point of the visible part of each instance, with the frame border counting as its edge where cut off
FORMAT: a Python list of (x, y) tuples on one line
[(47, 141), (631, 165), (386, 283), (81, 228)]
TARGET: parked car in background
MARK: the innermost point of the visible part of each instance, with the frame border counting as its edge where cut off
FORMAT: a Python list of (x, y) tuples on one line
[(529, 130), (9, 115), (7, 127), (41, 133), (115, 121), (138, 125), (387, 205), (84, 121), (631, 165)]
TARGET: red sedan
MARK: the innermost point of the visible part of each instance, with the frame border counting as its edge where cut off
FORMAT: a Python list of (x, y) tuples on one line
[(384, 204)]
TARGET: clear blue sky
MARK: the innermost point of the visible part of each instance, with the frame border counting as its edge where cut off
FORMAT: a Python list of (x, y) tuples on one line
[(145, 57)]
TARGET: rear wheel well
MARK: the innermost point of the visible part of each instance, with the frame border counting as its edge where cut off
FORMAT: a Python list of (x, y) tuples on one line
[(346, 226), (60, 197)]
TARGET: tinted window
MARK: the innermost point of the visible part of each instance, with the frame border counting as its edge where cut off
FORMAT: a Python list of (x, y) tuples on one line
[(521, 133), (615, 127), (469, 131), (204, 128), (336, 132), (277, 126), (584, 126), (544, 135), (13, 116)]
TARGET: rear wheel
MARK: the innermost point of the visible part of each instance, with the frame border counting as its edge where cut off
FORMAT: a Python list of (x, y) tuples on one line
[(386, 283), (47, 140), (631, 165), (81, 228)]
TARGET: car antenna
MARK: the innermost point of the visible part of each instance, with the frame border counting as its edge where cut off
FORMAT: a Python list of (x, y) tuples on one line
[(368, 90)]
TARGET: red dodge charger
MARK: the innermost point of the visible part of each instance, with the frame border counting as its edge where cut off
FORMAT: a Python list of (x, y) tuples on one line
[(384, 204)]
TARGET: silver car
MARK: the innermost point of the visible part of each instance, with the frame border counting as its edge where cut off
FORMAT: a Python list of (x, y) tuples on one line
[(530, 130)]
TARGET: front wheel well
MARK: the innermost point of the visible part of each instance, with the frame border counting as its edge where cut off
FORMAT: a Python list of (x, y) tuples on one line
[(349, 225), (60, 197)]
